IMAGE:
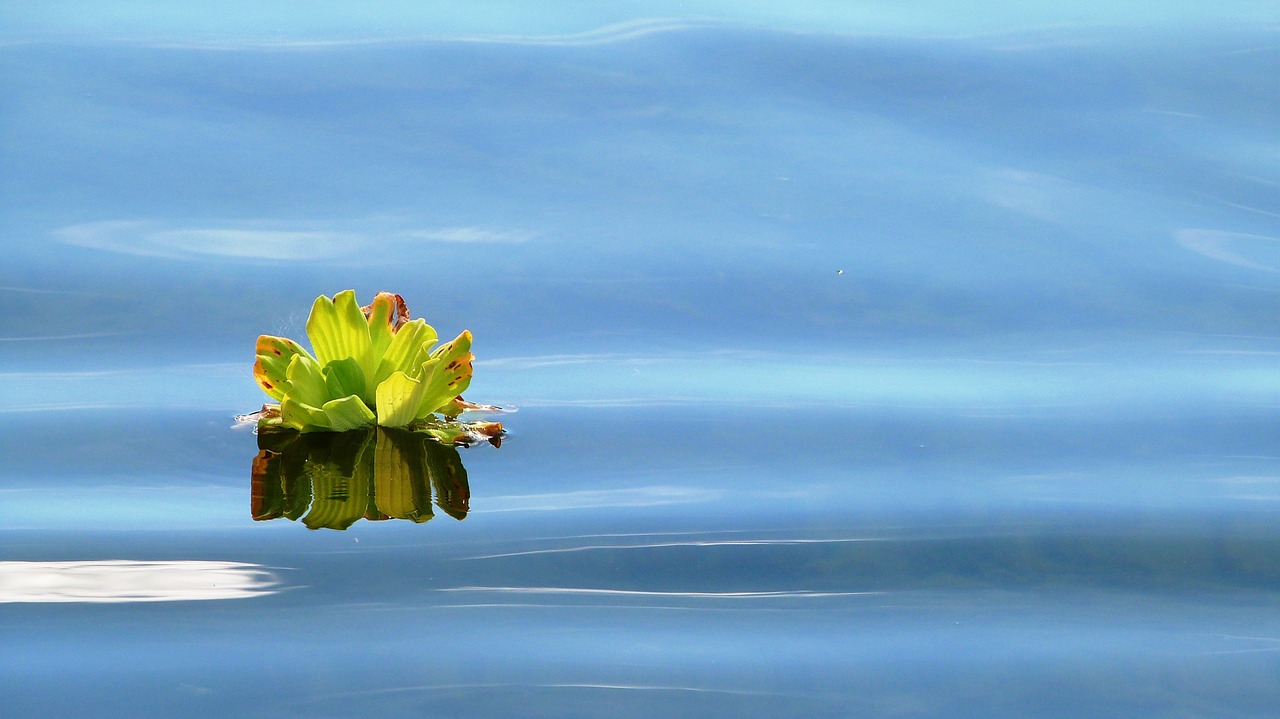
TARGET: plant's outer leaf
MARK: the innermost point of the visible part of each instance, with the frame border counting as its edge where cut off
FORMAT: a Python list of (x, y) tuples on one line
[(446, 375), (306, 381), (458, 405), (343, 378), (407, 351), (490, 432), (447, 434), (455, 347), (461, 433), (272, 364), (398, 399), (302, 417), (337, 328), (453, 407), (348, 413), (268, 419)]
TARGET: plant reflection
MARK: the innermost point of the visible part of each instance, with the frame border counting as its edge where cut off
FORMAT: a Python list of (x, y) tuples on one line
[(333, 480)]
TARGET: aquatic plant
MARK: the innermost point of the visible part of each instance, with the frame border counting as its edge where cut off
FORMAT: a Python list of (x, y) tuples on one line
[(372, 366)]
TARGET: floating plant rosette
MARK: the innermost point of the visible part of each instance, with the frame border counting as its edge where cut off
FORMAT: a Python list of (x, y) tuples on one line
[(372, 366)]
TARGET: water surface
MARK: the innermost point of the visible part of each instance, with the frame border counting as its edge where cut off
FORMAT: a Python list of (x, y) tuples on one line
[(872, 363)]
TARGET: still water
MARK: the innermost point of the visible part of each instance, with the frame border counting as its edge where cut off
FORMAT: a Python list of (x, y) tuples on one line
[(864, 362)]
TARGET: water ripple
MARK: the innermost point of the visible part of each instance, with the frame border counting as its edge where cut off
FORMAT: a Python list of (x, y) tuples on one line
[(791, 593), (698, 543)]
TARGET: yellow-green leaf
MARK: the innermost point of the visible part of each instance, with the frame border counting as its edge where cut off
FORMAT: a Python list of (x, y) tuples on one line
[(386, 313), (446, 375), (348, 413), (370, 364), (344, 377), (398, 398), (301, 416), (408, 349), (337, 328), (306, 381), (272, 364)]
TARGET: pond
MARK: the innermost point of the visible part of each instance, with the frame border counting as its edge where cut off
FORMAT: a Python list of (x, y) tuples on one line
[(862, 362)]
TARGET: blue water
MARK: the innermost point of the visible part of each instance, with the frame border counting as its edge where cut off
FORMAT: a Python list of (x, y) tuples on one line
[(869, 360)]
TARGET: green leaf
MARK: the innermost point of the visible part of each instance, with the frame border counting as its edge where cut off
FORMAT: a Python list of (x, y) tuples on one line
[(386, 313), (398, 398), (408, 349), (338, 329), (458, 405), (306, 382), (446, 375), (268, 419), (371, 364), (455, 348), (301, 416), (344, 377), (348, 413), (460, 433), (272, 364), (447, 433)]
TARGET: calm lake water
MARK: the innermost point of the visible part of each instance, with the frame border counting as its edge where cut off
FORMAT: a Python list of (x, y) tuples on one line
[(867, 362)]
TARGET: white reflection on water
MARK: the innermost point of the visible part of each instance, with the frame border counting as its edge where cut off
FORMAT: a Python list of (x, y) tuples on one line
[(121, 580)]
